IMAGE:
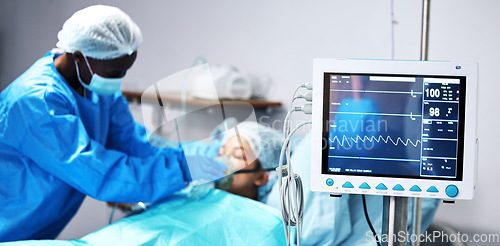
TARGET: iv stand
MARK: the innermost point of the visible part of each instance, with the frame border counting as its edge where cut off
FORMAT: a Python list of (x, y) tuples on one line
[(424, 56), (394, 220), (395, 214)]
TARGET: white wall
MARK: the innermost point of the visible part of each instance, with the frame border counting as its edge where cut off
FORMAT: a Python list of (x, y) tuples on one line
[(281, 38), (467, 31)]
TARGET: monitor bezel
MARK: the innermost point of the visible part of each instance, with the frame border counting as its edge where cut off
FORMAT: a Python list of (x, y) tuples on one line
[(361, 66)]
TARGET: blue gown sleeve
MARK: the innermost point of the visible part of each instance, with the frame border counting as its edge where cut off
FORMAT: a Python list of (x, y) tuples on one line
[(56, 140), (125, 134), (137, 144)]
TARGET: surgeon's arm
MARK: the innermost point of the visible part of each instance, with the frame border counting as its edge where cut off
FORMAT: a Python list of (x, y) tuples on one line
[(130, 137), (57, 141), (125, 134)]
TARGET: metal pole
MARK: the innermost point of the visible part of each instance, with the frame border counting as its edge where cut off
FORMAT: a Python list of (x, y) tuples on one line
[(424, 55), (417, 218), (395, 221), (424, 52)]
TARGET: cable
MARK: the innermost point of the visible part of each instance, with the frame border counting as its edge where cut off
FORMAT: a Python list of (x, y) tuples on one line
[(291, 191), (292, 209), (112, 213), (291, 188), (308, 85), (307, 109), (286, 124), (368, 220), (307, 96)]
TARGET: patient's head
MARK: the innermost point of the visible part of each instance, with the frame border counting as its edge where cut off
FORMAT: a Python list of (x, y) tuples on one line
[(253, 150), (249, 175)]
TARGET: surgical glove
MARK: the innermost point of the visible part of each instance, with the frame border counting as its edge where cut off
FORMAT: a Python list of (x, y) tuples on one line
[(200, 148), (202, 167)]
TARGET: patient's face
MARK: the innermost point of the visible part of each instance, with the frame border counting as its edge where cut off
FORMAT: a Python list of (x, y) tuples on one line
[(243, 158)]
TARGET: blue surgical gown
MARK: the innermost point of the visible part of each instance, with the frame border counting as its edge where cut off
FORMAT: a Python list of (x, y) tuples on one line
[(339, 221), (56, 147)]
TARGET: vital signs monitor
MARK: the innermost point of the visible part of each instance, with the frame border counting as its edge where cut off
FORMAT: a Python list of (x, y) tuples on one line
[(394, 128)]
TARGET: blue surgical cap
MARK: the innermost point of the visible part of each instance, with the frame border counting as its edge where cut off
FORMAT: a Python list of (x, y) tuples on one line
[(100, 32)]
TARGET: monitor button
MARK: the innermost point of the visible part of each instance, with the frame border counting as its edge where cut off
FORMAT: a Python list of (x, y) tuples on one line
[(398, 187), (415, 188), (432, 189), (451, 190), (329, 182), (348, 185), (381, 187), (364, 185)]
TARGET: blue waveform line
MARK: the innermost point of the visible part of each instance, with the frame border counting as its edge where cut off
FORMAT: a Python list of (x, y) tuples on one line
[(345, 140)]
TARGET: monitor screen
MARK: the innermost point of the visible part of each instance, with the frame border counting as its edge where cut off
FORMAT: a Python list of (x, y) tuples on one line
[(394, 128), (393, 125)]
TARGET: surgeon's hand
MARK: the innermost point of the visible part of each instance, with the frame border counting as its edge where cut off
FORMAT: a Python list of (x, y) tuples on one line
[(200, 148), (202, 167)]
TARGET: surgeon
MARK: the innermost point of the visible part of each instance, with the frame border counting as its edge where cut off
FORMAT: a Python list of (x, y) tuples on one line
[(66, 132)]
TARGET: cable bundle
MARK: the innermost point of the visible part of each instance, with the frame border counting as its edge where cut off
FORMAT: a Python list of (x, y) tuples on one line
[(291, 189)]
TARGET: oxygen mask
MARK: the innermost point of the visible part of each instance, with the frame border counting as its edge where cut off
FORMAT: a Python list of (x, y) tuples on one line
[(226, 181)]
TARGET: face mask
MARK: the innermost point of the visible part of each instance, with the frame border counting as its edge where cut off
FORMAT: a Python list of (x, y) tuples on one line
[(226, 181), (100, 85)]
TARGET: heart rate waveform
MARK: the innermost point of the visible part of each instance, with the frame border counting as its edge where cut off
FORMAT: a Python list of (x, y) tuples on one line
[(350, 140)]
